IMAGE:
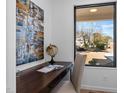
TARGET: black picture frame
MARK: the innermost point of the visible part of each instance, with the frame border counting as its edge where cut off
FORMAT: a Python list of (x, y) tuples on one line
[(114, 27)]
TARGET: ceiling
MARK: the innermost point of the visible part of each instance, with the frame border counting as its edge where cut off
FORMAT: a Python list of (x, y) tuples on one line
[(102, 13)]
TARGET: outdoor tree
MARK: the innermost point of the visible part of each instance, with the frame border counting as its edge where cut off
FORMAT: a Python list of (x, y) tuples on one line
[(92, 36), (100, 40), (87, 34)]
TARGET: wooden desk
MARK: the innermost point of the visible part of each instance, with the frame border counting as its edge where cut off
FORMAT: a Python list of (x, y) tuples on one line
[(32, 81)]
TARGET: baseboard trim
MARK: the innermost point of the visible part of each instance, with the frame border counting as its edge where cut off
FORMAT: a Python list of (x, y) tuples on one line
[(113, 90)]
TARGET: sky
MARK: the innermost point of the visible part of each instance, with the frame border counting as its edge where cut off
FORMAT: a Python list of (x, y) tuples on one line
[(104, 26)]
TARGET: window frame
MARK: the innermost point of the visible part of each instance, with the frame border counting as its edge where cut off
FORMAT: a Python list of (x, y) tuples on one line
[(114, 29)]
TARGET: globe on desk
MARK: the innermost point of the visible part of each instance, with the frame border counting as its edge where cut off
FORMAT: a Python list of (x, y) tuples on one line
[(52, 51)]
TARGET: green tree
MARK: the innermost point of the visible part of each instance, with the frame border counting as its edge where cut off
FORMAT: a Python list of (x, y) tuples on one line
[(100, 40)]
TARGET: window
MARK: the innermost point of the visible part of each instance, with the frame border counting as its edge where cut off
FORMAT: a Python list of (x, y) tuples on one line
[(95, 33)]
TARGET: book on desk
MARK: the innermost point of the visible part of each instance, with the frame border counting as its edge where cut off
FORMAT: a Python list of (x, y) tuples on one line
[(50, 68)]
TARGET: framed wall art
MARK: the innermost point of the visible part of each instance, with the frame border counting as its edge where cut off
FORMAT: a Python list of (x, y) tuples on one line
[(29, 32)]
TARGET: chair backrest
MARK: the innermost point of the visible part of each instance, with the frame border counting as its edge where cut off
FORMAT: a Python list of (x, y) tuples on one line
[(76, 74)]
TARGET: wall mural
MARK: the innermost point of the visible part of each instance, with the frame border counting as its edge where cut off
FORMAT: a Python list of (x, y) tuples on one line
[(29, 32)]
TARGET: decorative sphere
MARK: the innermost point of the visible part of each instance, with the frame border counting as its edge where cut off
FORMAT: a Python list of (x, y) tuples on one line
[(52, 50)]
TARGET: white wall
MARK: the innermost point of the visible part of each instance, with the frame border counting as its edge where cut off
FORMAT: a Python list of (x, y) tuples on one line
[(62, 32), (63, 37), (11, 40), (10, 45), (99, 78)]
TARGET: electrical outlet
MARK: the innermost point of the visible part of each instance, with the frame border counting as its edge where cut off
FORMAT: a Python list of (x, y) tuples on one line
[(105, 78)]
